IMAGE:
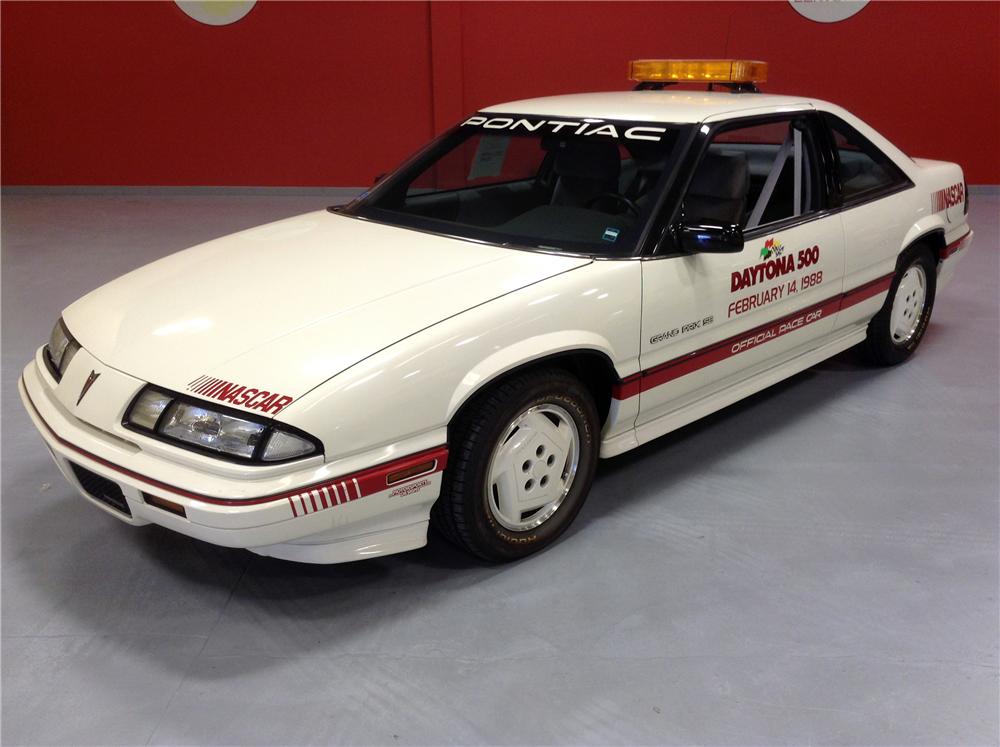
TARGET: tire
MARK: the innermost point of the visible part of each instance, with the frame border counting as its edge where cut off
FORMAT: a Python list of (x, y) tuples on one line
[(899, 326), (504, 460)]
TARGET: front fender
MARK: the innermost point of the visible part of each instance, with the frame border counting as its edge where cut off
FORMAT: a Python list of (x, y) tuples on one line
[(521, 352), (402, 398)]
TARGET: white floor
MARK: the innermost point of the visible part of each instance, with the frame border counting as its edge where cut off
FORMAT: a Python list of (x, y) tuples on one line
[(816, 565)]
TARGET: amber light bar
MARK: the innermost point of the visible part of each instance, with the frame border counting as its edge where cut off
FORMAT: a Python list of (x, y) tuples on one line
[(697, 71)]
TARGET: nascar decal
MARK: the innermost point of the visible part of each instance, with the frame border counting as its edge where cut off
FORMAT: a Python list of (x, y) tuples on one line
[(947, 197), (775, 263), (586, 127), (239, 395)]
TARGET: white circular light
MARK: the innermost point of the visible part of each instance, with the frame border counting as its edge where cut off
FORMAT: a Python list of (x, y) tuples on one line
[(216, 12), (827, 11)]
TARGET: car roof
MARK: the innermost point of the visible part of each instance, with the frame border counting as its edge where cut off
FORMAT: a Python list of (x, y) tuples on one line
[(653, 106)]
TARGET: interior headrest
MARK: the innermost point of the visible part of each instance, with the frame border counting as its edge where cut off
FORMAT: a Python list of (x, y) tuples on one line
[(587, 160), (724, 175)]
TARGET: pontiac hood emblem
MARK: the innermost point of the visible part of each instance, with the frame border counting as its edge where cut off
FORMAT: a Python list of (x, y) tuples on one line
[(86, 386)]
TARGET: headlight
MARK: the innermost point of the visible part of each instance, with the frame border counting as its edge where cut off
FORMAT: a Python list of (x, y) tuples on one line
[(212, 430), (188, 422), (61, 349)]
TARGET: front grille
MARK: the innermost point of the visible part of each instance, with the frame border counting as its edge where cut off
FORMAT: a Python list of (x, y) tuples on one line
[(101, 488)]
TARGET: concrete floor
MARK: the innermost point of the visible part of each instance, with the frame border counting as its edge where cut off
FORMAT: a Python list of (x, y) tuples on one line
[(815, 565)]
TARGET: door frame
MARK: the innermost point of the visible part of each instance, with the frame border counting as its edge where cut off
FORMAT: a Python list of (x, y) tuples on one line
[(659, 242)]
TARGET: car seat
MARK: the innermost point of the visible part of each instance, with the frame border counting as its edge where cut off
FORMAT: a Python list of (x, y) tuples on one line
[(584, 170), (718, 189)]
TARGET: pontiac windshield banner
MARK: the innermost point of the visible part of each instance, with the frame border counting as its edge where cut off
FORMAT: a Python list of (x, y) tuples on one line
[(584, 127)]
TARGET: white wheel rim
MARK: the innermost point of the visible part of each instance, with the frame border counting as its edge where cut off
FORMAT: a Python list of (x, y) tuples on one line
[(532, 467), (908, 305)]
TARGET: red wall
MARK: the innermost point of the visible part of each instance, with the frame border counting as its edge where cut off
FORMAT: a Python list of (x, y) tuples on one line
[(329, 94)]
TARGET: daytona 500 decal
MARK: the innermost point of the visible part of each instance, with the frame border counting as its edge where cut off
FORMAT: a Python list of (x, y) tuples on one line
[(775, 264)]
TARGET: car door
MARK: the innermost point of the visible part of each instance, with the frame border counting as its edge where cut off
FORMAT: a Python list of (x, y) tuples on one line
[(712, 320), (877, 210)]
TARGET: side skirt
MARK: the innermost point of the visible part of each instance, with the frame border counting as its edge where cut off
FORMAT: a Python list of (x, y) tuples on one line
[(731, 392)]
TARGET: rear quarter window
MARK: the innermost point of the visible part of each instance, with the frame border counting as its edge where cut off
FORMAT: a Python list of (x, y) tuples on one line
[(864, 171)]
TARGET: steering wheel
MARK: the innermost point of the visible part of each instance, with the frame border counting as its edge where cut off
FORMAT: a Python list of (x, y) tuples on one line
[(630, 206)]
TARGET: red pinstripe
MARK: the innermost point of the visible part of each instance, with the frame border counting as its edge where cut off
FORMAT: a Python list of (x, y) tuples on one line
[(955, 246), (720, 351)]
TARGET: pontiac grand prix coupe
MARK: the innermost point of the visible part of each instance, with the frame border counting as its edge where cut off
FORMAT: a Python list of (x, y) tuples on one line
[(551, 281)]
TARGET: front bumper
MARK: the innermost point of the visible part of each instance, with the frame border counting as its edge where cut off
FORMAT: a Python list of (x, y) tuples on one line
[(317, 513)]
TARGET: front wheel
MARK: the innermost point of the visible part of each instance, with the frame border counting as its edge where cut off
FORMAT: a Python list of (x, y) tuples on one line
[(522, 461), (896, 330)]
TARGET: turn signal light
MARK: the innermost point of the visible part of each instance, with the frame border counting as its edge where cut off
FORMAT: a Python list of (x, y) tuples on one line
[(407, 472), (698, 71), (163, 503)]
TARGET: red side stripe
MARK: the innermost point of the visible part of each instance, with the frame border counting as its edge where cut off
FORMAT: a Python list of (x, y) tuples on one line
[(627, 387), (955, 246), (292, 504), (720, 351), (866, 291)]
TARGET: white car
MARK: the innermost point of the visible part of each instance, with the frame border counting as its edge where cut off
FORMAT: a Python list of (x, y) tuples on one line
[(551, 281)]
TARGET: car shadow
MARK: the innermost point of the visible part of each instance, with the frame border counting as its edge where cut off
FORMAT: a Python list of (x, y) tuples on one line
[(273, 591), (695, 448)]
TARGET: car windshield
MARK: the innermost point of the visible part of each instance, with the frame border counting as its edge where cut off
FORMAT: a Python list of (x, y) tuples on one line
[(583, 186)]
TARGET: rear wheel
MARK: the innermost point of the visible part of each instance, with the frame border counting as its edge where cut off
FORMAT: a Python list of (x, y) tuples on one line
[(896, 330), (522, 461)]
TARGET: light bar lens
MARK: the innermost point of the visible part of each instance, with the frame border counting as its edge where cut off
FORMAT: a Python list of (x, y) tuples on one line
[(698, 71)]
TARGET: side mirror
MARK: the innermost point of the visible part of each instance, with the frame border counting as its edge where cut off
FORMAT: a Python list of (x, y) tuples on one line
[(708, 238)]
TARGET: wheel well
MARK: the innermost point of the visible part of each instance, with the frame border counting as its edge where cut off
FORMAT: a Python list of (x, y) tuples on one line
[(933, 240), (596, 371), (593, 368)]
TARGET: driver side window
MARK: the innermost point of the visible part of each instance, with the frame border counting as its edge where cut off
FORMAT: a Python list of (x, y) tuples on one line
[(755, 175)]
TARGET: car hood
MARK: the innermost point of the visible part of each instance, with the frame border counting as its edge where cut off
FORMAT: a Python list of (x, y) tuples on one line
[(288, 305)]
